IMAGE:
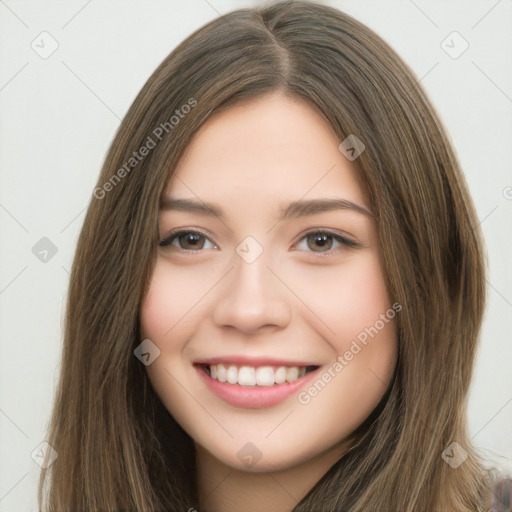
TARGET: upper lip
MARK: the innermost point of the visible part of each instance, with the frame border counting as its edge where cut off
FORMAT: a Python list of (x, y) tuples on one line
[(251, 361)]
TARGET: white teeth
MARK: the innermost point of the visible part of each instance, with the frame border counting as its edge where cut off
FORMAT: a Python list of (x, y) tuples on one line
[(232, 374), (292, 374), (280, 375), (260, 376), (246, 376), (221, 373), (265, 376)]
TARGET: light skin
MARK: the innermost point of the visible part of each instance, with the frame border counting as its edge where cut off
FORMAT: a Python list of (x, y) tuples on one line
[(301, 299)]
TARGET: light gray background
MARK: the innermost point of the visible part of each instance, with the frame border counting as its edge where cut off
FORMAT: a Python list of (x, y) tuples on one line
[(59, 114)]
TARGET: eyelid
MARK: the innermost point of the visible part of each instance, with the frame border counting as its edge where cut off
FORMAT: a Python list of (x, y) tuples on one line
[(177, 231), (345, 244), (327, 231)]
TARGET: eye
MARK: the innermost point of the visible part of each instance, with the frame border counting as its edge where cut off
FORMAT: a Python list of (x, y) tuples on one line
[(187, 240), (190, 240), (323, 240)]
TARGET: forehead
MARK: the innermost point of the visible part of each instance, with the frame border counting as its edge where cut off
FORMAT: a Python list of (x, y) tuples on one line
[(273, 148)]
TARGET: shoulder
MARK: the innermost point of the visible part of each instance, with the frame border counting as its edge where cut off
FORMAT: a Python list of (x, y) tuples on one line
[(502, 495)]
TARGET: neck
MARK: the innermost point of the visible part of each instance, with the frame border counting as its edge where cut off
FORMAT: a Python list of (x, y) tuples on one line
[(223, 488)]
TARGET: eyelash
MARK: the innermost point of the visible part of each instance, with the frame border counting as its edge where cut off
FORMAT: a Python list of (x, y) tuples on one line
[(170, 237)]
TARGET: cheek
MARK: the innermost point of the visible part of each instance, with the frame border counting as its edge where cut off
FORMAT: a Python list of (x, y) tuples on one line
[(365, 297), (343, 301), (368, 335), (354, 304), (164, 320), (364, 341), (153, 308), (171, 295)]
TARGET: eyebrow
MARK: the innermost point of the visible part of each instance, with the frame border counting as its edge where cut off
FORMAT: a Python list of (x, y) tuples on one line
[(295, 209)]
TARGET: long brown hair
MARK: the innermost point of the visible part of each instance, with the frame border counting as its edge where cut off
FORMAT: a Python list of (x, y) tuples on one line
[(118, 447)]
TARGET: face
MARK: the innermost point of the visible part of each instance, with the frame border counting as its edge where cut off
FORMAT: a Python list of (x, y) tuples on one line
[(267, 301)]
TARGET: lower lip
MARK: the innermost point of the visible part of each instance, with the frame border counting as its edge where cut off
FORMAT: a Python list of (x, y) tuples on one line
[(254, 397)]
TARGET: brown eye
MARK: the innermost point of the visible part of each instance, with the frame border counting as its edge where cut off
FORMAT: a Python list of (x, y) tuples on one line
[(192, 241), (186, 240), (323, 241)]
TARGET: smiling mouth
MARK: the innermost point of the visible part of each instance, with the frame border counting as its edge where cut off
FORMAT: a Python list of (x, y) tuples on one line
[(252, 376)]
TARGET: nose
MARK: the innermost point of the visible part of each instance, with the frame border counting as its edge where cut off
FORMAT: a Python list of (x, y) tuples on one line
[(252, 297)]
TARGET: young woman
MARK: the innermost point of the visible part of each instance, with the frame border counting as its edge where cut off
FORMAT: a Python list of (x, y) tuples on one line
[(278, 289)]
